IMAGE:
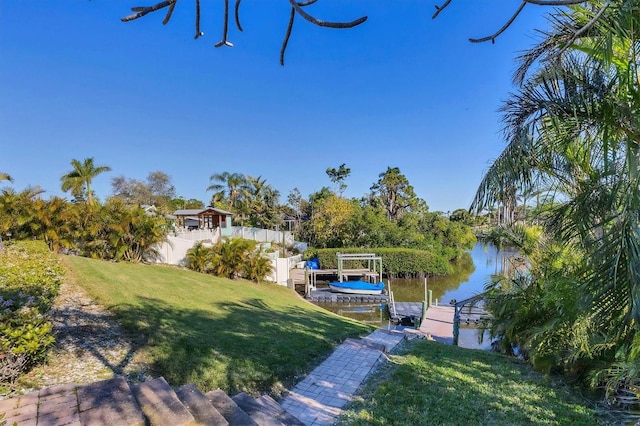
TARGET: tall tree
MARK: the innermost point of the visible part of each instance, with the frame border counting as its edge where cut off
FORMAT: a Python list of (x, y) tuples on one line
[(395, 192), (338, 176), (262, 202), (78, 180), (157, 190), (227, 188)]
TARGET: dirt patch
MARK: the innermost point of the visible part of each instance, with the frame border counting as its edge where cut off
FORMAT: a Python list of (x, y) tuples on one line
[(90, 345)]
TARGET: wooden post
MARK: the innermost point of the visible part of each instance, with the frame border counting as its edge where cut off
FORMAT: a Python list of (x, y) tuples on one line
[(456, 325), (430, 298), (424, 312)]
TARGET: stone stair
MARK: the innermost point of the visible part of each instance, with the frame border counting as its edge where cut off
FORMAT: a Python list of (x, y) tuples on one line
[(317, 400), (114, 402)]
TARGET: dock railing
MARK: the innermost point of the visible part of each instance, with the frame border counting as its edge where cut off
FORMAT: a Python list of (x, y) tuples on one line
[(473, 306), (392, 303)]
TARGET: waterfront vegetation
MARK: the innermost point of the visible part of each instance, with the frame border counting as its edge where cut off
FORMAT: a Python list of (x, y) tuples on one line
[(398, 262), (434, 384), (573, 148)]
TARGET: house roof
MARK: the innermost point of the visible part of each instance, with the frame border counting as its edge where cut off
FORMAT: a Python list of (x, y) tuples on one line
[(197, 212)]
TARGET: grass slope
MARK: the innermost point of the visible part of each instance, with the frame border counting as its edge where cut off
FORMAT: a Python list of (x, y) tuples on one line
[(436, 384), (214, 332)]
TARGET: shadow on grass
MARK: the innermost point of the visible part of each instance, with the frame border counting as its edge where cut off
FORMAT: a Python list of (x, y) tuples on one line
[(245, 346), (484, 388)]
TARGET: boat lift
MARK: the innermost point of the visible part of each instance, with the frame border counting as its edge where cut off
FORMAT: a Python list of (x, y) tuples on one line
[(373, 271)]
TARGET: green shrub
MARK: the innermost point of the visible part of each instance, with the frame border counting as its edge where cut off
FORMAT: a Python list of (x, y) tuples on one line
[(395, 261), (30, 277), (231, 258)]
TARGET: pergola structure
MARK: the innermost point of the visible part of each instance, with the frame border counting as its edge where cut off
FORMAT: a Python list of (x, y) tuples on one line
[(209, 218)]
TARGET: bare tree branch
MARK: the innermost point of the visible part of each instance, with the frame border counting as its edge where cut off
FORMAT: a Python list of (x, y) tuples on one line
[(237, 14), (440, 9), (554, 2), (501, 30), (225, 28), (585, 27), (292, 16), (142, 10), (298, 7), (166, 19), (198, 32), (507, 24)]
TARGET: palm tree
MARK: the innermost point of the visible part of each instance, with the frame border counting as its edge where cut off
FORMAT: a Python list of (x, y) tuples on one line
[(573, 129), (262, 203), (229, 186), (78, 180)]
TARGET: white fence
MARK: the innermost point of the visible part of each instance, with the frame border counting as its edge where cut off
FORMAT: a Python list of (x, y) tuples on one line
[(199, 235), (262, 235), (281, 266), (174, 250)]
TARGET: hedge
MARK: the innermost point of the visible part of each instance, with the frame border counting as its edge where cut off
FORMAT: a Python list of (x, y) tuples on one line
[(30, 278), (396, 262)]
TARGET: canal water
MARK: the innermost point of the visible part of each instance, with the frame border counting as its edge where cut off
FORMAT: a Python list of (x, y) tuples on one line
[(471, 273)]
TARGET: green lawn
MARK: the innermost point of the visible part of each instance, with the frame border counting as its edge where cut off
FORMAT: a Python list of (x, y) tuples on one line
[(214, 332), (436, 384)]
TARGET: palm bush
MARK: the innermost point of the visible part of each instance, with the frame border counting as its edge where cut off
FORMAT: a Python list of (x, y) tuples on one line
[(232, 258), (573, 132)]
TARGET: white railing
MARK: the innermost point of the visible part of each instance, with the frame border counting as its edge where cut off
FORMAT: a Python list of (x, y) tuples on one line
[(262, 235)]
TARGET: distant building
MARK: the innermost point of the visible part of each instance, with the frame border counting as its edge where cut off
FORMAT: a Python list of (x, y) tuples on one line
[(208, 219)]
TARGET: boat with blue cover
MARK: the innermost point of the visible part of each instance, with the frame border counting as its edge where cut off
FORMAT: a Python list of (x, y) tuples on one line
[(357, 287)]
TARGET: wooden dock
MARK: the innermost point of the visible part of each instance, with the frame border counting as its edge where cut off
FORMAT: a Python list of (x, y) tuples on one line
[(439, 321), (325, 295)]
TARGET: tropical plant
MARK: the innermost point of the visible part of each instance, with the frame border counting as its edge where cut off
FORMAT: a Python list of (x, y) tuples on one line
[(228, 189), (199, 257), (131, 233), (260, 203), (78, 180), (16, 211), (573, 129)]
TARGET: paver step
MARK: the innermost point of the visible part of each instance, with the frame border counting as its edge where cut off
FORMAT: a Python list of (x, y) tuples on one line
[(265, 411), (276, 410), (255, 410), (365, 344), (229, 409), (161, 404), (108, 402), (199, 406)]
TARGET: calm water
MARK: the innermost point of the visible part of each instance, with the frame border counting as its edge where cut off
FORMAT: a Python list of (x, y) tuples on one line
[(472, 272)]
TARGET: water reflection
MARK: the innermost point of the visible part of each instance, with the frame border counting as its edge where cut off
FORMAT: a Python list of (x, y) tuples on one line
[(472, 271)]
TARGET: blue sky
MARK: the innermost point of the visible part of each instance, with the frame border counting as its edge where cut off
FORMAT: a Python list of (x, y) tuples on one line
[(402, 90)]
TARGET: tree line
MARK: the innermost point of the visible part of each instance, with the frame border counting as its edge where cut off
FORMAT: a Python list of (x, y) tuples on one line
[(123, 227)]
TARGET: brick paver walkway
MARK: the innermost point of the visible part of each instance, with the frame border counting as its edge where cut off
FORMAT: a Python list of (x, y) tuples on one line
[(320, 398)]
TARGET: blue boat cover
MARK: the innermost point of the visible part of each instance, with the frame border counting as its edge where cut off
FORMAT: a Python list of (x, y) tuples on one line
[(358, 285)]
